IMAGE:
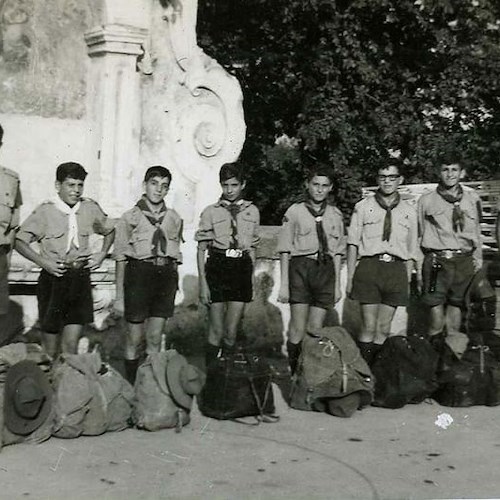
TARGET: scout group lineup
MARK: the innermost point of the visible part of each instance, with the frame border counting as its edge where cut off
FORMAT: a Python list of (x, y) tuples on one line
[(388, 239)]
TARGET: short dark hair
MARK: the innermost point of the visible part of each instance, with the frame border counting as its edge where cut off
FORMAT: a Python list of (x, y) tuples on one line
[(319, 169), (230, 170), (389, 165), (450, 157), (157, 171), (70, 169)]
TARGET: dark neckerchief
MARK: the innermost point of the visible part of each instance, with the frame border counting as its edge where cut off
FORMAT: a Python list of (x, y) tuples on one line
[(320, 230), (234, 208), (382, 201), (159, 239), (458, 216)]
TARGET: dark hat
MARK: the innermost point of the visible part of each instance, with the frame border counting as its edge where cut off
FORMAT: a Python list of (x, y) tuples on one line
[(28, 398), (183, 380)]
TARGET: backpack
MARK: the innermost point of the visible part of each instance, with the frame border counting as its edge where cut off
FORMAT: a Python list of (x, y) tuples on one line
[(331, 371), (472, 380), (156, 404), (90, 397), (405, 370), (9, 356), (238, 385)]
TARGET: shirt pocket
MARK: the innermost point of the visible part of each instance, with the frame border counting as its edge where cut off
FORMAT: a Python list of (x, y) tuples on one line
[(437, 218), (8, 193), (372, 227), (83, 237), (55, 241), (141, 244), (173, 228), (247, 228), (222, 227), (306, 238)]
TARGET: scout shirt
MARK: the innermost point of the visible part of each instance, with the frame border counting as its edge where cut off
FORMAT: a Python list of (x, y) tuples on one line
[(48, 226), (10, 201), (215, 226), (367, 227), (134, 236), (299, 237), (436, 227)]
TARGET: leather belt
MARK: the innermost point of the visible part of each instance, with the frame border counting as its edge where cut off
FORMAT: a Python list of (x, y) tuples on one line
[(76, 264), (385, 257), (449, 253), (159, 261)]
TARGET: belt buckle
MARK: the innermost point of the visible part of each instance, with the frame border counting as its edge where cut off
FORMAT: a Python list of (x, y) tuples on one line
[(160, 261), (447, 254), (385, 257), (234, 253)]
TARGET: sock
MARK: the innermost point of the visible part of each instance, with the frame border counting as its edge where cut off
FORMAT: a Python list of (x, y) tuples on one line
[(131, 366), (294, 351)]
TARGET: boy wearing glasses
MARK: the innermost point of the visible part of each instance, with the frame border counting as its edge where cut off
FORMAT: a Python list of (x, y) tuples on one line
[(450, 236), (382, 246)]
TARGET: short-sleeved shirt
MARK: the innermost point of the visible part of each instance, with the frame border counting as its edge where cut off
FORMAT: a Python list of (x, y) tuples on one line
[(436, 223), (367, 227), (134, 236), (299, 237), (48, 226), (216, 229), (10, 202)]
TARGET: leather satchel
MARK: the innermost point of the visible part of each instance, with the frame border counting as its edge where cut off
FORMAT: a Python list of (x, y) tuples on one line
[(238, 385)]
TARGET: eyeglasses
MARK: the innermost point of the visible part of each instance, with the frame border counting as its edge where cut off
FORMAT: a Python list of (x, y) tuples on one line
[(392, 177)]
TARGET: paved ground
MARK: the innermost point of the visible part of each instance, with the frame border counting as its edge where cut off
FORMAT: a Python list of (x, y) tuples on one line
[(376, 454)]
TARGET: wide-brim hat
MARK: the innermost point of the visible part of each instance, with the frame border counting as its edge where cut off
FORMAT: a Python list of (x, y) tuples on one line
[(27, 398), (183, 380)]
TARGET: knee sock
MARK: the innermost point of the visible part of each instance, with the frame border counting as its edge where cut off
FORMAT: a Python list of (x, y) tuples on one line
[(131, 366), (366, 350), (294, 351), (211, 353)]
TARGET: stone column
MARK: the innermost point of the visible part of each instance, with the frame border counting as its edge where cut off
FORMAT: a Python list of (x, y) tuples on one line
[(114, 111)]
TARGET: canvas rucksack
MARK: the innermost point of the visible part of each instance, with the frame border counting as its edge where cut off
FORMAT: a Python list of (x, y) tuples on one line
[(91, 397), (164, 388), (332, 375)]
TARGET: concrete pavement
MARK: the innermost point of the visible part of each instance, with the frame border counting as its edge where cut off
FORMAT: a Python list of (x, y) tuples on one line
[(376, 454)]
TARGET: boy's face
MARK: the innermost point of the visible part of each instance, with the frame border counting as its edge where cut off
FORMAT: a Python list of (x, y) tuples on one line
[(451, 175), (232, 189), (70, 190), (156, 188), (388, 180), (318, 188)]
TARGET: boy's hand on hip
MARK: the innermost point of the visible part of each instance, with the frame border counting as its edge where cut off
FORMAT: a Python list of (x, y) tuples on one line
[(56, 268), (96, 259)]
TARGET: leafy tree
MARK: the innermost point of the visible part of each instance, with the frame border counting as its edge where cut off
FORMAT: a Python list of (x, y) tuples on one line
[(357, 83)]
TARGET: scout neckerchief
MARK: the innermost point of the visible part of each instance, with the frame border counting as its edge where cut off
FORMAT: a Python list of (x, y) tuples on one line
[(388, 207), (458, 216), (72, 222), (234, 209), (159, 238), (318, 218)]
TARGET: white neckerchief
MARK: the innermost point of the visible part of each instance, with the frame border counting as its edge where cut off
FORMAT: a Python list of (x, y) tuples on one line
[(72, 222)]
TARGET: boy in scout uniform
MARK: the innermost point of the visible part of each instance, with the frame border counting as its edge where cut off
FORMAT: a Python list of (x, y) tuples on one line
[(61, 227), (382, 248), (228, 233), (10, 202), (450, 237), (147, 253), (311, 244)]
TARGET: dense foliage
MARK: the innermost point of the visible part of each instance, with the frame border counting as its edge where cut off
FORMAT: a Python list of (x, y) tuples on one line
[(356, 82)]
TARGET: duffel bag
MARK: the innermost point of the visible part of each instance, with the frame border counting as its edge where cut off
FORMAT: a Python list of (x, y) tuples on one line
[(164, 389), (238, 385), (405, 371), (332, 376)]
